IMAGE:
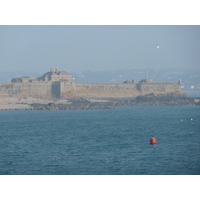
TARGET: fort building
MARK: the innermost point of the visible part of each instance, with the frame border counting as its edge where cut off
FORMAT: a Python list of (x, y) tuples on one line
[(55, 76), (52, 75), (24, 79), (59, 84)]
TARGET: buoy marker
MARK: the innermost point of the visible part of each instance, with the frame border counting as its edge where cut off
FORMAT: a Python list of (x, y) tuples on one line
[(153, 140)]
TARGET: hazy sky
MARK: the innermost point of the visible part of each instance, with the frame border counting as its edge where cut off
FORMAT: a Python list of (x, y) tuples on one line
[(80, 48)]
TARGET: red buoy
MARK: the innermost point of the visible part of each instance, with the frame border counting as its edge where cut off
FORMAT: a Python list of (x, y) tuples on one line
[(153, 140)]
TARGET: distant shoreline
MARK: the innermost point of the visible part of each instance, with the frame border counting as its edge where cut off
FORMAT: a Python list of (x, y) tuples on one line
[(14, 104), (194, 93)]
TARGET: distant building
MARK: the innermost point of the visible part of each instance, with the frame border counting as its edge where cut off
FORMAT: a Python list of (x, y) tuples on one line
[(24, 79), (180, 82), (59, 84), (134, 81), (54, 76), (146, 81), (127, 81)]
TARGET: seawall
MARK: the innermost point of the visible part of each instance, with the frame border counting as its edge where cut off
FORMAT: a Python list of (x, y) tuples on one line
[(72, 90), (158, 88), (40, 90), (106, 90)]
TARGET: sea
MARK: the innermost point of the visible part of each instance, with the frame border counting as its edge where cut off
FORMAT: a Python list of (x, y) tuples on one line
[(101, 142), (195, 93)]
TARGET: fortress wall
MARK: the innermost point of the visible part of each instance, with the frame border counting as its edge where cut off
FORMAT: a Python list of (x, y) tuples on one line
[(68, 90), (36, 90), (159, 88), (106, 90), (71, 90)]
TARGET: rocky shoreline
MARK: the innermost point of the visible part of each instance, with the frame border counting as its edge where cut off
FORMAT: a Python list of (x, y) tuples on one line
[(92, 104)]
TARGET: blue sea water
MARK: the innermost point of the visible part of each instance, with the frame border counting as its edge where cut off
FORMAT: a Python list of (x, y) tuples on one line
[(101, 142)]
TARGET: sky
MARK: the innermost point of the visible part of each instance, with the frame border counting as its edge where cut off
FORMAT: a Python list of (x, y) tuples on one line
[(99, 47)]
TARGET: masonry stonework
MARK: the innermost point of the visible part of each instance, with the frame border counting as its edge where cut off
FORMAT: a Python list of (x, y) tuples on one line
[(158, 88), (36, 90), (106, 90), (60, 85)]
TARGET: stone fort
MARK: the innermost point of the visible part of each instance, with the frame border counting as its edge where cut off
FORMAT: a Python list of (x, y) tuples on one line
[(59, 84)]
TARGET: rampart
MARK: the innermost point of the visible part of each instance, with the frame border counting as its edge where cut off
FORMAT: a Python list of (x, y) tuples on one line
[(158, 88), (106, 90), (71, 90), (24, 90), (47, 87)]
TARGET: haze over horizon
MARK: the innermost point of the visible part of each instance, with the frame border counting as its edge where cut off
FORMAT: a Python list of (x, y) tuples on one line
[(81, 48)]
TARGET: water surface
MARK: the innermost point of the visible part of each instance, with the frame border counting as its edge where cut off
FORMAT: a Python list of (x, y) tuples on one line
[(106, 142)]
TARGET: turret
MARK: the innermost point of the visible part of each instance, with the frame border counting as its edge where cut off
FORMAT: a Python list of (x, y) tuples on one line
[(57, 70)]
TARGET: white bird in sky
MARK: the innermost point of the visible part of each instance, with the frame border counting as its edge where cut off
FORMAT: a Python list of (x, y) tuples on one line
[(157, 46)]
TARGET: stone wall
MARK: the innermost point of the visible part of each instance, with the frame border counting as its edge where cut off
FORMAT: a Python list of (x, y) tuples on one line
[(68, 90), (106, 90), (158, 88), (55, 89), (71, 90), (22, 90)]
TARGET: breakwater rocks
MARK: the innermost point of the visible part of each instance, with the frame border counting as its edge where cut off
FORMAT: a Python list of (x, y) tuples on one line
[(15, 109), (172, 99), (83, 104), (93, 104)]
